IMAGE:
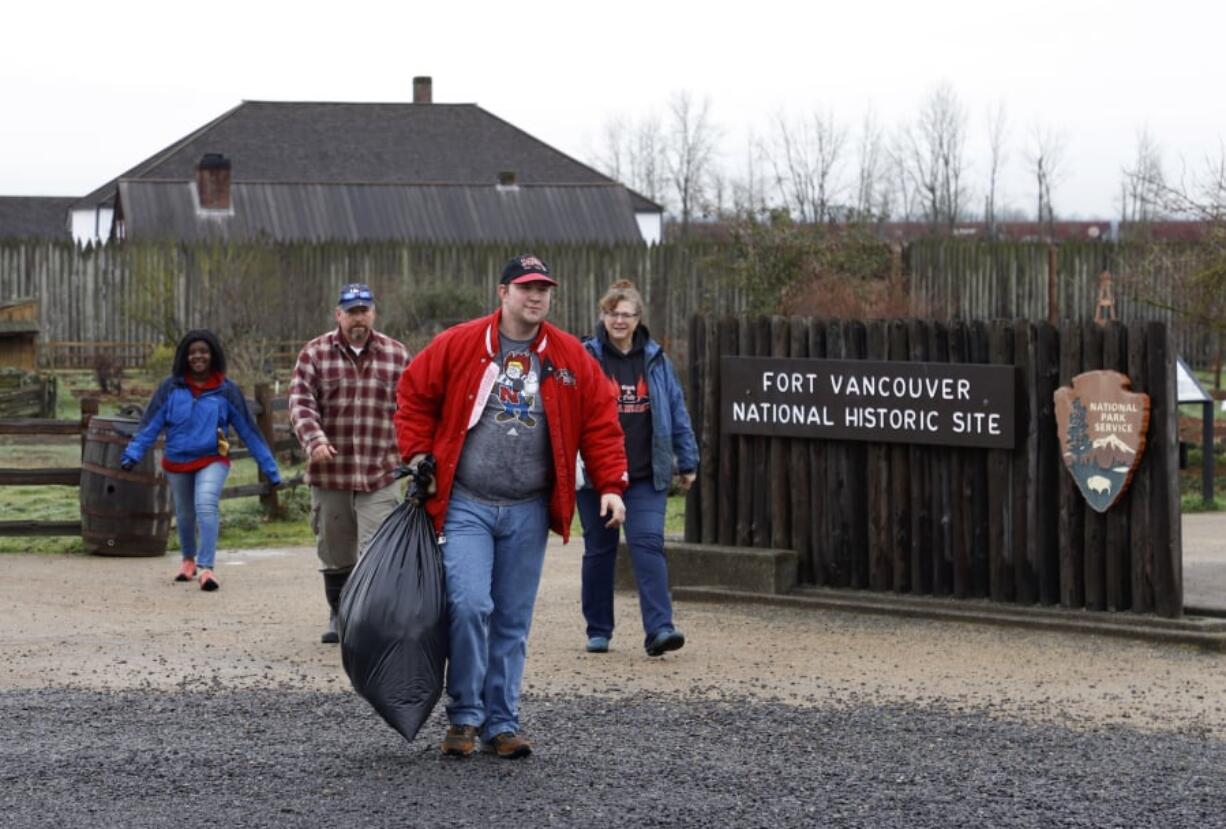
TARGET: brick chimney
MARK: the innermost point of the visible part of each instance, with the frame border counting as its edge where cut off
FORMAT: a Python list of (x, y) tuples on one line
[(423, 92), (213, 182)]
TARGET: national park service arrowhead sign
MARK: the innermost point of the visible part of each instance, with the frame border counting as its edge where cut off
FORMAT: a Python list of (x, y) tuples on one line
[(1102, 429)]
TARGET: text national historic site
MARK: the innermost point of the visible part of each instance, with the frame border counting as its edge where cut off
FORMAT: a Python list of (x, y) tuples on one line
[(898, 402)]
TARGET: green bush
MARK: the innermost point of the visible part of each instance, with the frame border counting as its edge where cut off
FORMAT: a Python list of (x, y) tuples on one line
[(160, 362)]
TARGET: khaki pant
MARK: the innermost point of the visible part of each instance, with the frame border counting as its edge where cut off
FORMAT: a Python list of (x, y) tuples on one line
[(343, 522)]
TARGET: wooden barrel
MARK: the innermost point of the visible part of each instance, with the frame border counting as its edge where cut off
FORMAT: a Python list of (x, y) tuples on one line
[(122, 513)]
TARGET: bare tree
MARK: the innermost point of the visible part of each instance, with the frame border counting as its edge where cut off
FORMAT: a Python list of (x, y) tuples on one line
[(610, 155), (870, 190), (933, 153), (902, 189), (1143, 183), (631, 152), (997, 155), (647, 158), (748, 194), (1046, 156), (1189, 283), (689, 153), (805, 155)]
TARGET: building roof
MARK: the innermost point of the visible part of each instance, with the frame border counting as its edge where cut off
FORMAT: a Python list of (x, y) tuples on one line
[(365, 143), (342, 211), (42, 217)]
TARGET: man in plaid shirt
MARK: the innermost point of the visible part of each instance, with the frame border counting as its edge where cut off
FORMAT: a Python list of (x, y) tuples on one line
[(341, 401)]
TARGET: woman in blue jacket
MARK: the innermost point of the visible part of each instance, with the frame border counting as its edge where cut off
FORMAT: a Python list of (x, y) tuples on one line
[(196, 406), (659, 439)]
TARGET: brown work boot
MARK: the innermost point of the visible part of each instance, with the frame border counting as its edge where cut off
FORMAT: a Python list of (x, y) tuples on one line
[(509, 746), (461, 741)]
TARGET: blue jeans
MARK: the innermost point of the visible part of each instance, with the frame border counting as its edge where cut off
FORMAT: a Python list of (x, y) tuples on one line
[(645, 538), (493, 559), (196, 497)]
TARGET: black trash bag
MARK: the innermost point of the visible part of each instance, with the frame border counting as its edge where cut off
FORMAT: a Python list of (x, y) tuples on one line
[(392, 618)]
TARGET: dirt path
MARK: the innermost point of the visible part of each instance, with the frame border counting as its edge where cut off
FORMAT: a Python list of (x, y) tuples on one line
[(89, 622)]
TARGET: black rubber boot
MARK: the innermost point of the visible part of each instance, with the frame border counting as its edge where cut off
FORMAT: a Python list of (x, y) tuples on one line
[(334, 583)]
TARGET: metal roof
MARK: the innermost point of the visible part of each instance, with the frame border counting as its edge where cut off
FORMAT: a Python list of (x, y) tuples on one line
[(362, 211), (43, 217), (345, 143)]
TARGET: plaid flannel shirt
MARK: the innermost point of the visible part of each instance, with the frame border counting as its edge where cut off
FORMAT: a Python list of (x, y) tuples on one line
[(348, 401)]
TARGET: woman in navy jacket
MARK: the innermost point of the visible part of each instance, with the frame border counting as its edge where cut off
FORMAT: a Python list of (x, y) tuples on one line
[(196, 406), (659, 439)]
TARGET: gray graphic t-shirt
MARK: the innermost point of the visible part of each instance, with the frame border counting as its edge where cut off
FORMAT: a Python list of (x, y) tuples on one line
[(506, 457)]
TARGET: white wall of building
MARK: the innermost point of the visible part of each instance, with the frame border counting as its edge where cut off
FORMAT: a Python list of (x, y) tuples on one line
[(651, 227), (92, 224)]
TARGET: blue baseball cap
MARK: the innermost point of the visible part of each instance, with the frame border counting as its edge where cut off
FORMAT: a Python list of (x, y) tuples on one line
[(356, 295)]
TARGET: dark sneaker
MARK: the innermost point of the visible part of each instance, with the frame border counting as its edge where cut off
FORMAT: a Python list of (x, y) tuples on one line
[(330, 636), (598, 644), (461, 741), (665, 640), (509, 746)]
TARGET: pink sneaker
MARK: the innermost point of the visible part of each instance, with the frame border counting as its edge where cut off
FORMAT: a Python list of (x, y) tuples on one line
[(187, 570), (207, 582)]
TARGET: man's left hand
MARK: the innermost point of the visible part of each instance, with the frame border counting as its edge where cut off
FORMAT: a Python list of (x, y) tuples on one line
[(612, 505), (686, 480)]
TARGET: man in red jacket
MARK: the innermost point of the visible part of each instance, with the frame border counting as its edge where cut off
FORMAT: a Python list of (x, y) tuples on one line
[(504, 402)]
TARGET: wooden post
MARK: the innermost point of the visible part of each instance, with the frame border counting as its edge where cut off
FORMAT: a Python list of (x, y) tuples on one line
[(1053, 290), (921, 482), (1117, 565), (1164, 494), (745, 449), (900, 481), (1207, 460), (1141, 558), (819, 536), (1045, 533), (798, 467), (1095, 551), (1001, 585), (1072, 505), (263, 398), (880, 560), (780, 500), (708, 438), (693, 500), (726, 502), (89, 408)]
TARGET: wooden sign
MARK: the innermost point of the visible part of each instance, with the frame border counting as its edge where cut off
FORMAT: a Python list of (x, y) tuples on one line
[(1102, 428), (941, 404)]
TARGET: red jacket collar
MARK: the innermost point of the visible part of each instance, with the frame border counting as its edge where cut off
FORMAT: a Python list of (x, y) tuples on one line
[(211, 382)]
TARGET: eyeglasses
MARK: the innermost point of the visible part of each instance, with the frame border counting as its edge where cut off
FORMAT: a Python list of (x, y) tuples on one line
[(350, 294), (621, 315)]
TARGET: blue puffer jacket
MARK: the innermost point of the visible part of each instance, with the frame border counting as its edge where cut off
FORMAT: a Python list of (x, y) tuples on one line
[(191, 424), (671, 432)]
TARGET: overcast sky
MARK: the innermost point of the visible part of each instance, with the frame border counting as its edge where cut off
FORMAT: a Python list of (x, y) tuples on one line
[(90, 89)]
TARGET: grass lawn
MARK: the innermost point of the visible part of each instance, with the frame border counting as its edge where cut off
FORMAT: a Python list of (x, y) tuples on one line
[(242, 521)]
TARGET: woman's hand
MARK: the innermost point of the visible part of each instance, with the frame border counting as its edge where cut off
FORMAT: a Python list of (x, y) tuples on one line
[(611, 504), (686, 480)]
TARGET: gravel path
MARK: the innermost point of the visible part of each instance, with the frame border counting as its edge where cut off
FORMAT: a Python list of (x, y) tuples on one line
[(290, 758), (126, 700)]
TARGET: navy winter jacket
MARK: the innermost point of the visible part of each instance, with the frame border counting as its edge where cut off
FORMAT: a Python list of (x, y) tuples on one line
[(191, 424), (672, 436)]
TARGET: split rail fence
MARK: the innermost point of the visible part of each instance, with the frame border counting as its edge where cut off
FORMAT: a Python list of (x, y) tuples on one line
[(264, 406), (1009, 526)]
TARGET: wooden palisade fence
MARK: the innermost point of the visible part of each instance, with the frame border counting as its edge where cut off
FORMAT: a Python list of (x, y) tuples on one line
[(1009, 526)]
